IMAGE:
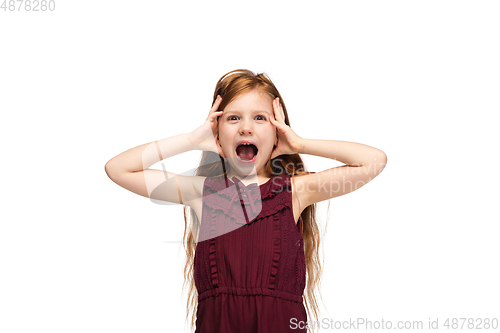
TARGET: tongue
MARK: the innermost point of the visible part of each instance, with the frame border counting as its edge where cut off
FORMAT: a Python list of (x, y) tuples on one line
[(246, 152)]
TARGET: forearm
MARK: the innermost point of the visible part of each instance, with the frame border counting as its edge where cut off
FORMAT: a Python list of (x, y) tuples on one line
[(350, 153), (143, 156)]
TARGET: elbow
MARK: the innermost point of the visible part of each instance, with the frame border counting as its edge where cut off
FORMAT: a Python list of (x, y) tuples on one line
[(380, 162), (377, 163), (109, 169)]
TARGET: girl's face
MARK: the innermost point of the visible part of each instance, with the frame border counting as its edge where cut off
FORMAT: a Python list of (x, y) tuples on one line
[(246, 118)]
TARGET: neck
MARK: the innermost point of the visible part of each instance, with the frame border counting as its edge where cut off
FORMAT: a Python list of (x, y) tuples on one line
[(253, 178)]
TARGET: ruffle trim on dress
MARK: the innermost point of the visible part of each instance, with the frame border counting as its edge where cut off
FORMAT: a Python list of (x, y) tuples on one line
[(269, 189), (300, 268), (238, 215), (212, 258), (277, 252), (250, 292)]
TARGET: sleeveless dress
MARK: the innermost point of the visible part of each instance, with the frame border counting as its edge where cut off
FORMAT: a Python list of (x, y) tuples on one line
[(249, 264)]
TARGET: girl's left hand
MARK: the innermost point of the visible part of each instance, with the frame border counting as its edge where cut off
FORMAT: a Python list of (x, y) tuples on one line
[(288, 142)]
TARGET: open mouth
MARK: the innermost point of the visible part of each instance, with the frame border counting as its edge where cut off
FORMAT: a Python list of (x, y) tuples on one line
[(247, 152)]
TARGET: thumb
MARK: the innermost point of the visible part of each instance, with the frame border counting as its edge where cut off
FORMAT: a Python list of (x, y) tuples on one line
[(219, 149), (275, 152)]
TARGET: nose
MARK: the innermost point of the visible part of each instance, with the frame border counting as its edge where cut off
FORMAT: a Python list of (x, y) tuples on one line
[(245, 128)]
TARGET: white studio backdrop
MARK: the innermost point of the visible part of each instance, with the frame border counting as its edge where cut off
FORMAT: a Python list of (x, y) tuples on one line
[(89, 80)]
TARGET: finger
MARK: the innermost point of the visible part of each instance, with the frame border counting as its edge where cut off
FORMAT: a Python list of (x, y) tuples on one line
[(275, 122), (216, 104), (213, 111), (277, 112), (281, 112), (280, 107), (216, 114)]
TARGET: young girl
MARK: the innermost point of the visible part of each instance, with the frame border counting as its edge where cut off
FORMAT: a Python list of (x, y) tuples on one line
[(253, 237)]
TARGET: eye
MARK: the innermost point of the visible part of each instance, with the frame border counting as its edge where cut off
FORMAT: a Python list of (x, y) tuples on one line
[(263, 118)]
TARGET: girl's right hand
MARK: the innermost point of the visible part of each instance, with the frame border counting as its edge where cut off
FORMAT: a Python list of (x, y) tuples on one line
[(205, 137)]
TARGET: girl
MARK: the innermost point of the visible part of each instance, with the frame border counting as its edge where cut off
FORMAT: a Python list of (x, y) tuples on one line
[(253, 235)]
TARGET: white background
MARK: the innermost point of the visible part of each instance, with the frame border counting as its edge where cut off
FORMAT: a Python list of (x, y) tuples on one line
[(79, 85)]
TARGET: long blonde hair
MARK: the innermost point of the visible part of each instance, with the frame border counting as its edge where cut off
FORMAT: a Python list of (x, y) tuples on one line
[(230, 86)]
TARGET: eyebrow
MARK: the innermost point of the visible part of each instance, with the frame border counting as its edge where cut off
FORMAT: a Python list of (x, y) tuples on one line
[(254, 111)]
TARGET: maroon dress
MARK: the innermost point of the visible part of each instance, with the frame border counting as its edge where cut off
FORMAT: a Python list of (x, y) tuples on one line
[(249, 265)]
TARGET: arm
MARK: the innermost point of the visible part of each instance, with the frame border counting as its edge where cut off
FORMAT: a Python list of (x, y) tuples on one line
[(363, 163), (130, 170), (142, 157), (350, 153)]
